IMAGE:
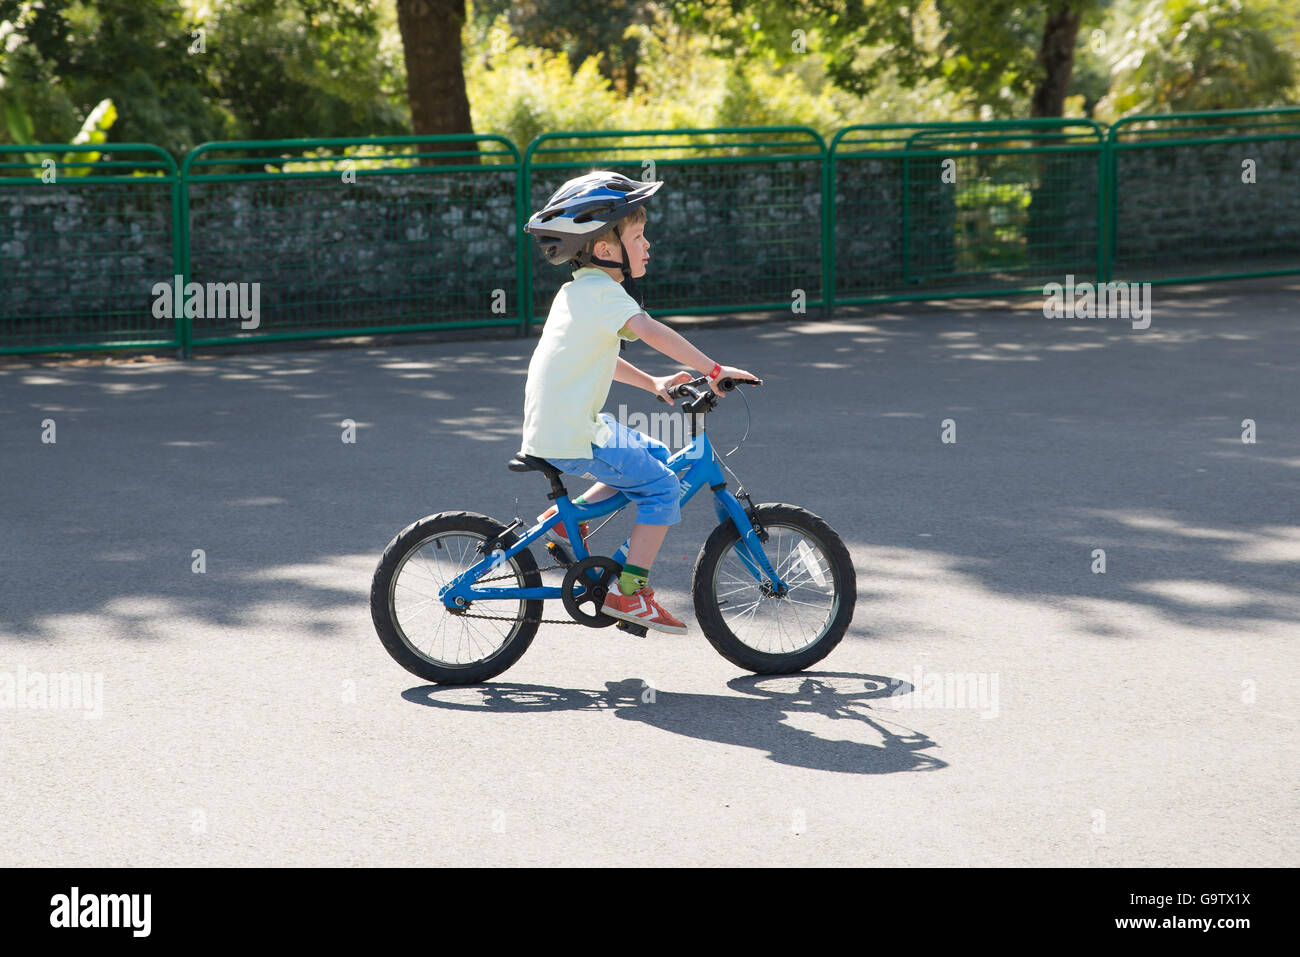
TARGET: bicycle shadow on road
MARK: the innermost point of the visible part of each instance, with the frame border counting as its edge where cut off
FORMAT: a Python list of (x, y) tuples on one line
[(760, 718)]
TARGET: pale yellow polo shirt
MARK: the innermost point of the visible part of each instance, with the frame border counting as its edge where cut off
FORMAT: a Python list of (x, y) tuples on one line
[(573, 366)]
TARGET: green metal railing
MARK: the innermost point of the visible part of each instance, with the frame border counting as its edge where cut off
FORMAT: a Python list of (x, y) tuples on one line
[(934, 210), (733, 195), (114, 246), (1183, 207), (351, 237), (87, 233)]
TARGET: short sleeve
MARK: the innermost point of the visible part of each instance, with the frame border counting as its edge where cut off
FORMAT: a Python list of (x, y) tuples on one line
[(620, 308)]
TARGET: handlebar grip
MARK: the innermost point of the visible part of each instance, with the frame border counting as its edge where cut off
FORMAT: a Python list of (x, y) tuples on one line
[(687, 389)]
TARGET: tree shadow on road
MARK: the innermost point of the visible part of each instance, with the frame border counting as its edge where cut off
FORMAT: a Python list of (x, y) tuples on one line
[(757, 718), (234, 493)]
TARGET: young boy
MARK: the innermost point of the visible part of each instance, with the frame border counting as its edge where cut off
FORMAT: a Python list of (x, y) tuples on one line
[(596, 223)]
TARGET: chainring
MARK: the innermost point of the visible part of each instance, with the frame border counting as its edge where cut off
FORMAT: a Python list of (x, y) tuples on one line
[(594, 590)]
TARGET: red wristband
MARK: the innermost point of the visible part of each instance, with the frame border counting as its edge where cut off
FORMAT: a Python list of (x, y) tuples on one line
[(717, 371)]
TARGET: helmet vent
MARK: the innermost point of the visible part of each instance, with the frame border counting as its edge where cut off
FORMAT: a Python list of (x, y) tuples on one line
[(596, 212)]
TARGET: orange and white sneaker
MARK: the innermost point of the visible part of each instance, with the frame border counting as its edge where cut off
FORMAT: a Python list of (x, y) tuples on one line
[(640, 608), (558, 533)]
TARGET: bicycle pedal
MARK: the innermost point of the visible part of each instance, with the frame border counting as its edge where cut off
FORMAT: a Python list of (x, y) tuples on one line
[(559, 553), (637, 630)]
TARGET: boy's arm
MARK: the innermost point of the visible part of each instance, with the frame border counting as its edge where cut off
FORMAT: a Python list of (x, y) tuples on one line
[(629, 374), (674, 345)]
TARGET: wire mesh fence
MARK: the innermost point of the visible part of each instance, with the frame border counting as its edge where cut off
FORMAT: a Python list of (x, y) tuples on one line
[(1205, 195), (947, 209), (114, 246), (351, 237), (736, 226), (88, 234)]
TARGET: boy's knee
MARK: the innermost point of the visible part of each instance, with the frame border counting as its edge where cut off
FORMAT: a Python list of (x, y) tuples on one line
[(666, 494), (659, 451)]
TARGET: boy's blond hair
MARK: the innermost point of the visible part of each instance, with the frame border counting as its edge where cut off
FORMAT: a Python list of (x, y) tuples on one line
[(609, 235)]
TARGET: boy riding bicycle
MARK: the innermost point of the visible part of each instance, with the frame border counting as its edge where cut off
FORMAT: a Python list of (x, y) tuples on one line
[(596, 223)]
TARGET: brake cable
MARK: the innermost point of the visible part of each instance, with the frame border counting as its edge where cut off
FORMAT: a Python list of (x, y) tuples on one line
[(749, 412)]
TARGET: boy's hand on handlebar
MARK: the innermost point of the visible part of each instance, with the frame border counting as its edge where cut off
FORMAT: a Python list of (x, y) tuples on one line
[(663, 383), (730, 372)]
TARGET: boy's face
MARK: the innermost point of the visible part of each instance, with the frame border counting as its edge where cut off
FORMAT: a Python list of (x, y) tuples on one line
[(638, 250)]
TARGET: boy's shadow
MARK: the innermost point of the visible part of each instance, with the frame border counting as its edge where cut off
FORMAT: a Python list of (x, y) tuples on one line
[(759, 721)]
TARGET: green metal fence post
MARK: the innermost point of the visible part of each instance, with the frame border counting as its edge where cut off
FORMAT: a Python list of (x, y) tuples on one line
[(181, 253), (1103, 191), (828, 236)]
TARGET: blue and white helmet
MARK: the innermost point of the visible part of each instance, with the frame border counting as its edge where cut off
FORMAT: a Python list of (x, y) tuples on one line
[(583, 207)]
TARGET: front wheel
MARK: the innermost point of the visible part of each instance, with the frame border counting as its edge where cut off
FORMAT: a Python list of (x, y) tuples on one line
[(752, 627)]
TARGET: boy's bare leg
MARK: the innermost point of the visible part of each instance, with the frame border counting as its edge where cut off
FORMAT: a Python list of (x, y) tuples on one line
[(597, 493), (644, 544)]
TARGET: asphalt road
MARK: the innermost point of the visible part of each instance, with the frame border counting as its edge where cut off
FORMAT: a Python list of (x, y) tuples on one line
[(1147, 715)]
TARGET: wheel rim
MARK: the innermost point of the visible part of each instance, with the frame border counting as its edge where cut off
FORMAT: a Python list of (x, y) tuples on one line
[(423, 621), (766, 623)]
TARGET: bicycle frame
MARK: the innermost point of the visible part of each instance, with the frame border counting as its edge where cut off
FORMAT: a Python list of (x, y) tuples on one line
[(696, 467)]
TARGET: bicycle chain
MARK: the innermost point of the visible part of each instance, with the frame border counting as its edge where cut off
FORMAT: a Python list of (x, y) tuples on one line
[(540, 621)]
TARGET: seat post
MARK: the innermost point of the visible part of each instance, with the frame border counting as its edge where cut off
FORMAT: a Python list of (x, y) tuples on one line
[(557, 487)]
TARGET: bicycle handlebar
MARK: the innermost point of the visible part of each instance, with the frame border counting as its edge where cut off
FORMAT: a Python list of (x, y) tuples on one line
[(692, 389)]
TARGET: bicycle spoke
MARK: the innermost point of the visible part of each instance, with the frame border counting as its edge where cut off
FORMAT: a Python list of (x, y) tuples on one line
[(426, 623), (759, 620)]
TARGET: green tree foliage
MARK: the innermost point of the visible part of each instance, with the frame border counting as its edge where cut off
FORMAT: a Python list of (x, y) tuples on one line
[(63, 57), (991, 52), (580, 29), (295, 68), (519, 91), (1182, 55), (259, 69)]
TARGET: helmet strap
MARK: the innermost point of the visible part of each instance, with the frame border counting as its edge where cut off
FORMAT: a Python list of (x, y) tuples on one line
[(629, 284)]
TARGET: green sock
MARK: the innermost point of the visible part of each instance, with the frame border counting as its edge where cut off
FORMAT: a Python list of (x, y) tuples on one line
[(580, 500), (632, 579)]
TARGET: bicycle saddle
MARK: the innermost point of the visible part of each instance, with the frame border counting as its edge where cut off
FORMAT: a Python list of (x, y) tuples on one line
[(531, 463)]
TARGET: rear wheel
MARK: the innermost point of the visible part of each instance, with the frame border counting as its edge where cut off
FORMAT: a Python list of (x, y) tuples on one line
[(420, 632), (751, 626)]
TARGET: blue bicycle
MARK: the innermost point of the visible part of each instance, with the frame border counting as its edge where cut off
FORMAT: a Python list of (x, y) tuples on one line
[(457, 597)]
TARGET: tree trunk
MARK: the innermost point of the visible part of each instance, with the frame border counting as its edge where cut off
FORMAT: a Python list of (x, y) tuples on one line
[(1056, 54), (1051, 243), (435, 79)]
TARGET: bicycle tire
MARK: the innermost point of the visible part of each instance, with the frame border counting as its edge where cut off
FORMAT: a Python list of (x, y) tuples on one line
[(393, 636), (708, 608)]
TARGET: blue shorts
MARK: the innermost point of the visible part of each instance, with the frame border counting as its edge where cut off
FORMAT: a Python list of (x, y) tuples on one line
[(633, 463)]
